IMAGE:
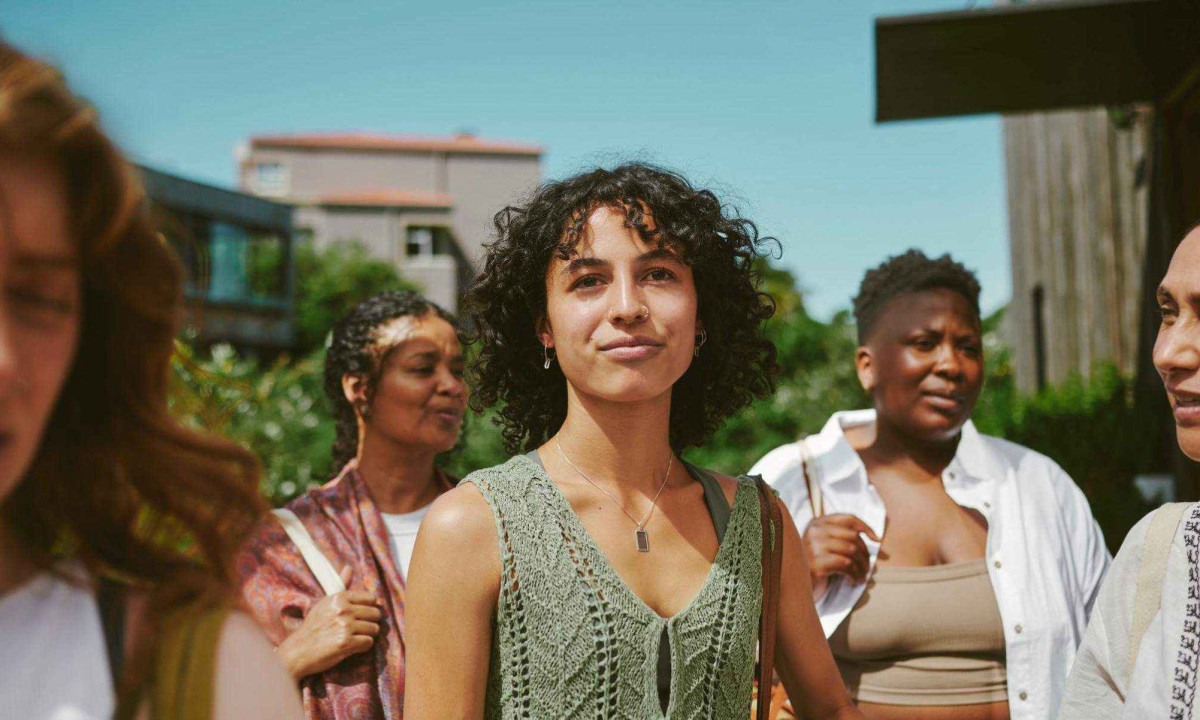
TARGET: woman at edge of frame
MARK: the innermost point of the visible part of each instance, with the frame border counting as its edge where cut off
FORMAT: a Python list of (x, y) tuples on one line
[(973, 604), (394, 376), (598, 574), (118, 525), (1129, 667)]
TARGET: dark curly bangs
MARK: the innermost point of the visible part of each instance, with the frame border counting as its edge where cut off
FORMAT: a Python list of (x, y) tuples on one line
[(737, 363)]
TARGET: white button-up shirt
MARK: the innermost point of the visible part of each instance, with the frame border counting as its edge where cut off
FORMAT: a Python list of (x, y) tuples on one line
[(1045, 553)]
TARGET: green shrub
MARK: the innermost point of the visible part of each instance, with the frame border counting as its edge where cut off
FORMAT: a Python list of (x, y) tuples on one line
[(278, 412)]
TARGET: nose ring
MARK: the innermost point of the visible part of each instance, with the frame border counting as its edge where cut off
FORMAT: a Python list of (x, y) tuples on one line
[(643, 313)]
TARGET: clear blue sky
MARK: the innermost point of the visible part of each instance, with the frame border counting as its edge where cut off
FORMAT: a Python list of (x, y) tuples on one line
[(771, 101)]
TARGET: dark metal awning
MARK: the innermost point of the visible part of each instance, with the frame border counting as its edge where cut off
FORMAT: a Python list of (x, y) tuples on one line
[(1037, 56), (218, 203)]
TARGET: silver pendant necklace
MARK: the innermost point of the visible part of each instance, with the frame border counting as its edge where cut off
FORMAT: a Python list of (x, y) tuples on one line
[(640, 536)]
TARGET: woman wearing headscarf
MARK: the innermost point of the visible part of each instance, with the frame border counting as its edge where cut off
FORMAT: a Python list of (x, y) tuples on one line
[(394, 374)]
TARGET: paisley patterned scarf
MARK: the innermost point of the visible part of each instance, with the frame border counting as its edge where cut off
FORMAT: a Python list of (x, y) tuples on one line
[(279, 590)]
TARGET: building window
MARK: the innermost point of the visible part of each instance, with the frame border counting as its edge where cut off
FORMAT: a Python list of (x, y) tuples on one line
[(270, 179), (419, 242)]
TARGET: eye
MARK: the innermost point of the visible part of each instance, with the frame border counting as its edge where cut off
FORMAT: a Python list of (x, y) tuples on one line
[(660, 275), (924, 343), (1168, 313), (44, 304), (585, 282)]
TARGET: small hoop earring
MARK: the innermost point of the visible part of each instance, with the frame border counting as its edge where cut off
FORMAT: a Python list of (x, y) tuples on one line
[(702, 338), (546, 350)]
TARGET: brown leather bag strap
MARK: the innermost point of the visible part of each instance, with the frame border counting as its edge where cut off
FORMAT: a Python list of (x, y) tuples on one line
[(772, 566)]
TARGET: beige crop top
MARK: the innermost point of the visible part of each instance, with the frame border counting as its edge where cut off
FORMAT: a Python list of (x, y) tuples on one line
[(924, 636)]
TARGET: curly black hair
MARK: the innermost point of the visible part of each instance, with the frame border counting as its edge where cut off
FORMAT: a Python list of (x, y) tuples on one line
[(508, 299), (911, 271), (352, 351)]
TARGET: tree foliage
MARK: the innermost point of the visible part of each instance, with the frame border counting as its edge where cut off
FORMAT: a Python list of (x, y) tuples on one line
[(1090, 427), (332, 280)]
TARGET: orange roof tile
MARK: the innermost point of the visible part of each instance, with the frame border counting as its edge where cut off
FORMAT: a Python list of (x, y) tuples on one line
[(397, 143), (388, 198)]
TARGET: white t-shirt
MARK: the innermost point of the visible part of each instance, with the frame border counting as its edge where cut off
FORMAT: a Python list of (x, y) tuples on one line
[(53, 662), (402, 536)]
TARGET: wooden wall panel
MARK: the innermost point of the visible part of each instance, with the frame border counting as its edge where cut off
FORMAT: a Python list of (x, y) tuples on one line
[(1077, 229)]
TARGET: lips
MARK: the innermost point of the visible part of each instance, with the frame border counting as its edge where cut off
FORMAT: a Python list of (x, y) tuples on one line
[(1186, 408), (631, 348), (448, 414), (945, 401)]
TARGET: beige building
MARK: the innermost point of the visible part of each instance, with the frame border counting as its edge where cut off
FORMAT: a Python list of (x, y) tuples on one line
[(424, 203)]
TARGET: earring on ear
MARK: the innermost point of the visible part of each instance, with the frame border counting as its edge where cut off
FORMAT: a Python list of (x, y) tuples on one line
[(362, 409), (700, 340), (546, 350)]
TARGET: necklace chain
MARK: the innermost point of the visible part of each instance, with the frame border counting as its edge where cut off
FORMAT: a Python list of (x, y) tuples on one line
[(653, 503)]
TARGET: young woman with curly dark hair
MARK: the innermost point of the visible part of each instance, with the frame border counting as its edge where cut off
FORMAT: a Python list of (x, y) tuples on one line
[(394, 375), (971, 604), (118, 526), (600, 575)]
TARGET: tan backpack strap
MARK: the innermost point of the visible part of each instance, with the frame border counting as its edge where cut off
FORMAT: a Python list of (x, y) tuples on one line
[(772, 567), (185, 667), (816, 498), (320, 566), (1155, 550)]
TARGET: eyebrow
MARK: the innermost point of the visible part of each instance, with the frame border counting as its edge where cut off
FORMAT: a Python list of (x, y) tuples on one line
[(581, 263), (435, 355)]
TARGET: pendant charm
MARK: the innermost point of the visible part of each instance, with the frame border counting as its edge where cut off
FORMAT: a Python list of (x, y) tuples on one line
[(643, 540)]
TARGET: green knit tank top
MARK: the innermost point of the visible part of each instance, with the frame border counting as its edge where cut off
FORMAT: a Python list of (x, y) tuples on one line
[(571, 640)]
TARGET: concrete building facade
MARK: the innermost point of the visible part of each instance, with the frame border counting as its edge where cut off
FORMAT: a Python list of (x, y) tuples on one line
[(423, 203)]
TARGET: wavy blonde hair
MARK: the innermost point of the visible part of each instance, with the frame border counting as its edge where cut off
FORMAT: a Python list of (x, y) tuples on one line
[(117, 482)]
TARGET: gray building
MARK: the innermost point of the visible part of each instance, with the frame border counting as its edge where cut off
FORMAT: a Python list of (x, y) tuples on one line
[(236, 250), (423, 203)]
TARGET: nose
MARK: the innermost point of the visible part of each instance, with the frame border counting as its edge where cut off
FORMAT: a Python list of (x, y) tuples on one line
[(451, 384), (1177, 348), (948, 364), (628, 304)]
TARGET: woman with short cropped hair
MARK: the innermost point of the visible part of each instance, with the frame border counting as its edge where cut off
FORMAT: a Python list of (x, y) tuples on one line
[(954, 572)]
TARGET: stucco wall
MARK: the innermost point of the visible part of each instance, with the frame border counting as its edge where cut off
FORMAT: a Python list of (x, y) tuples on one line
[(481, 186)]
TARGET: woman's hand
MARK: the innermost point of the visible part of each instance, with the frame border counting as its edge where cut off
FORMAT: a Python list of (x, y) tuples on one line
[(835, 546), (338, 626)]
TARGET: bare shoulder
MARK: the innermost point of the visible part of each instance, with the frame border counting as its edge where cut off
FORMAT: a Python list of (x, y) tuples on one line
[(250, 681), (461, 515)]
